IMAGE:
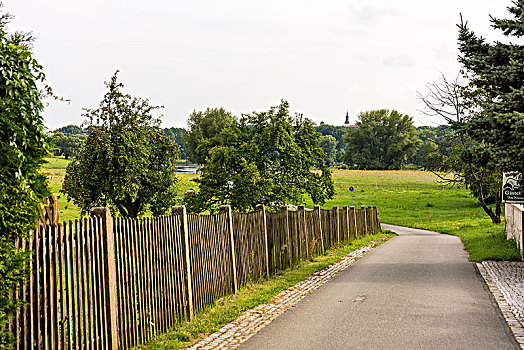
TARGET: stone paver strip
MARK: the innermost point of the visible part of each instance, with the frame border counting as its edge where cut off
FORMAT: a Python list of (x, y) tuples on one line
[(248, 323), (505, 280)]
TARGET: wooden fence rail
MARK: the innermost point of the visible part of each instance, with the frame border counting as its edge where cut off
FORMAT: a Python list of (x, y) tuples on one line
[(113, 283)]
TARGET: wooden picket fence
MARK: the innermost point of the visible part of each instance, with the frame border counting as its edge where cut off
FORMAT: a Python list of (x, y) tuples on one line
[(113, 283)]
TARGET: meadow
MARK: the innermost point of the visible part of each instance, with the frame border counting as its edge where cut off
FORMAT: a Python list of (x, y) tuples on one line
[(407, 198), (417, 199)]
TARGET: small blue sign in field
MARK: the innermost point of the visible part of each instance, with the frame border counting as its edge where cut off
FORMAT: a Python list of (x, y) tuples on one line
[(351, 189)]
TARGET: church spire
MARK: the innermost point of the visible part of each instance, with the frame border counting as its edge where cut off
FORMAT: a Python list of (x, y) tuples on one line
[(346, 123)]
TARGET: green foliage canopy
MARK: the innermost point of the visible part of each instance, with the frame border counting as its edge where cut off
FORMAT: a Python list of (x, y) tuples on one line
[(68, 145), (264, 158), (338, 133), (201, 127), (175, 135), (23, 145), (434, 143), (127, 163), (382, 140), (70, 129), (329, 145), (495, 71)]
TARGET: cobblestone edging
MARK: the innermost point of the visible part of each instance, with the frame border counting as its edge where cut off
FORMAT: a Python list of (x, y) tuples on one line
[(505, 280), (251, 321)]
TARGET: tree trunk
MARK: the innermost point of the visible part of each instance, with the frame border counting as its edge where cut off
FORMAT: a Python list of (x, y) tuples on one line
[(133, 207), (495, 218), (121, 208)]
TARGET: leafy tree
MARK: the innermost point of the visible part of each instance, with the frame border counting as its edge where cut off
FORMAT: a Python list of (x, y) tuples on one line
[(201, 127), (337, 132), (428, 155), (264, 158), (23, 146), (382, 140), (433, 139), (175, 135), (495, 72), (70, 129), (127, 163), (68, 145), (329, 145), (450, 157)]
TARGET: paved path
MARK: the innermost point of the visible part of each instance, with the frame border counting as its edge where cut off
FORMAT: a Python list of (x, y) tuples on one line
[(251, 321), (416, 291)]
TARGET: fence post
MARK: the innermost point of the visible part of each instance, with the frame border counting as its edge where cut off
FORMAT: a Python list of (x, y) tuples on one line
[(337, 218), (520, 239), (369, 215), (227, 209), (377, 221), (354, 218), (284, 209), (181, 212), (365, 220), (264, 223), (317, 209), (348, 226), (110, 276), (302, 211), (508, 216), (510, 221)]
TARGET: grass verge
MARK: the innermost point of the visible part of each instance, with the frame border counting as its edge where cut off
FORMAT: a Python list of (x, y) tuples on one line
[(228, 308)]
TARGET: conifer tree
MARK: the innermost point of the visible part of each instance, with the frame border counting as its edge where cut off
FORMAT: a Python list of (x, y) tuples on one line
[(496, 75)]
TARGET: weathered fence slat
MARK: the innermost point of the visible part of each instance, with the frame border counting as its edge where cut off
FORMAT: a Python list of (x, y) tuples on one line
[(181, 212), (108, 283)]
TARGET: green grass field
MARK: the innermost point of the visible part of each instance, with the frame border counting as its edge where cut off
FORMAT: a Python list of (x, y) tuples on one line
[(55, 168), (416, 199), (407, 198)]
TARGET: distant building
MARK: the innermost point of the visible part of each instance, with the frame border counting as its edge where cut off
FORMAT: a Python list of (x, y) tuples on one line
[(346, 123), (321, 123)]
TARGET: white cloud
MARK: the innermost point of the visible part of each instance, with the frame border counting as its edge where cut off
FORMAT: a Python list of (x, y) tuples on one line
[(398, 61)]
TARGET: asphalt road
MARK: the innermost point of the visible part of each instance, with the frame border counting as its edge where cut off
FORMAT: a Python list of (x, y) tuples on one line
[(416, 291)]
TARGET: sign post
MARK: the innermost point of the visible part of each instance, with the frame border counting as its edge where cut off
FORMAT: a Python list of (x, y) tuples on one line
[(351, 190)]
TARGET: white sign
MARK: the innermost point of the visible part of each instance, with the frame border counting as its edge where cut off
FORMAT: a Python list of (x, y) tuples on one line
[(512, 188)]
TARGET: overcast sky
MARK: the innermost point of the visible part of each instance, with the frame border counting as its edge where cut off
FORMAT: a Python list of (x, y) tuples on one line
[(324, 57)]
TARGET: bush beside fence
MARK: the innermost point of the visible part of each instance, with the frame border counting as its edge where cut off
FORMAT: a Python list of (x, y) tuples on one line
[(113, 283)]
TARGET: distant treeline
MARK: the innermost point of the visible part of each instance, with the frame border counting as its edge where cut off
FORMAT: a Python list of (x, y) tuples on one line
[(430, 138), (69, 140)]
